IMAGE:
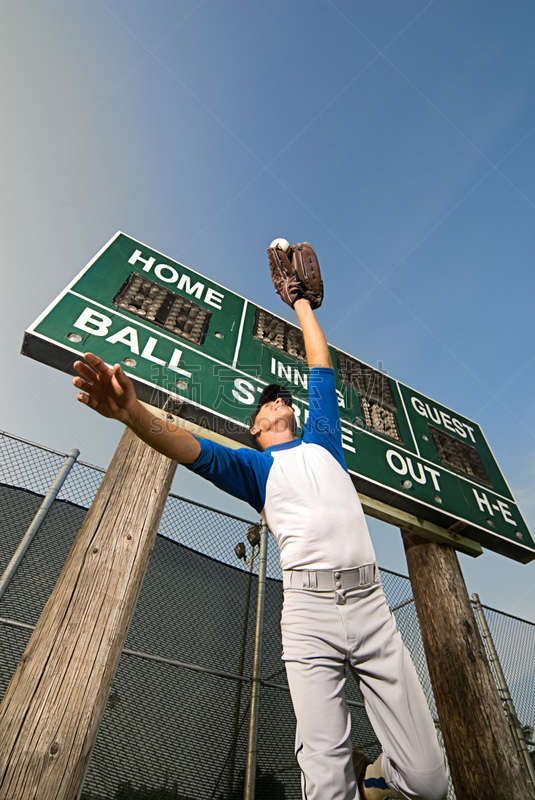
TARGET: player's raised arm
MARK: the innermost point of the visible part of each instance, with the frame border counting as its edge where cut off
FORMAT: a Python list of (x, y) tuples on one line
[(318, 354), (296, 275), (111, 393)]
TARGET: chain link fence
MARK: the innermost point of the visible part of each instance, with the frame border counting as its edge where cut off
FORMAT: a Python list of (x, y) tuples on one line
[(175, 725)]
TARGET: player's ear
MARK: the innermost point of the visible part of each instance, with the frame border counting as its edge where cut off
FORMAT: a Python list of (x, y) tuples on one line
[(254, 433)]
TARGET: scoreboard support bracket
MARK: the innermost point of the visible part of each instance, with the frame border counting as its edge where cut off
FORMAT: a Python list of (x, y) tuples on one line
[(401, 519)]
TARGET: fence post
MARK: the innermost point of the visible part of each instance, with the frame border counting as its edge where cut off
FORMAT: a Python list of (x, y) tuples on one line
[(514, 722), (481, 752), (235, 725), (250, 767), (37, 521), (51, 712)]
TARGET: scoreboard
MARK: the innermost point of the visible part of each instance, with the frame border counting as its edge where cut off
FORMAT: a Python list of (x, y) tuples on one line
[(196, 349)]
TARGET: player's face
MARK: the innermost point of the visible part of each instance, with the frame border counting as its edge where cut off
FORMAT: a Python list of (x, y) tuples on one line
[(274, 416)]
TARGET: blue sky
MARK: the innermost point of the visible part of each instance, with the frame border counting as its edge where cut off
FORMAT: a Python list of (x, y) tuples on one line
[(395, 135)]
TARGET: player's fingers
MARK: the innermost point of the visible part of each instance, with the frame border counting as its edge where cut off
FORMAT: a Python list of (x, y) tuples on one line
[(96, 362), (81, 384), (123, 384), (85, 370), (83, 398), (122, 380)]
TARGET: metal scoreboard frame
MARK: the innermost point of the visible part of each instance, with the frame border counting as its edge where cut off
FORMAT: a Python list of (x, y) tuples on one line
[(204, 353)]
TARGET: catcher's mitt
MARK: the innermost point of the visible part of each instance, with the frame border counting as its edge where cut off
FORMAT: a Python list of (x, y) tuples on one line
[(297, 274)]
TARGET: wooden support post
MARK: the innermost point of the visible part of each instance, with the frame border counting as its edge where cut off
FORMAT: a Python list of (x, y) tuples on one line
[(52, 709), (481, 754)]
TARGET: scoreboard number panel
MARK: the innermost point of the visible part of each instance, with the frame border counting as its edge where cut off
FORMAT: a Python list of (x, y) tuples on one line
[(196, 349)]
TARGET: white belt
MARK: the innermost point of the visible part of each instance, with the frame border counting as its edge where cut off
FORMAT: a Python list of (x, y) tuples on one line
[(325, 580)]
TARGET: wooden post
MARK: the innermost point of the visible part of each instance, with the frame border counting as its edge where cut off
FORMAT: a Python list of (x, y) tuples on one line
[(481, 754), (52, 709)]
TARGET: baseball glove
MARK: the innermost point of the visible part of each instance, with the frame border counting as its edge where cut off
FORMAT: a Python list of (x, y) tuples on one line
[(297, 274)]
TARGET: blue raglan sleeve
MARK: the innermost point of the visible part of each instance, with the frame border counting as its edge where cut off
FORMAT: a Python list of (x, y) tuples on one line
[(323, 422), (242, 473)]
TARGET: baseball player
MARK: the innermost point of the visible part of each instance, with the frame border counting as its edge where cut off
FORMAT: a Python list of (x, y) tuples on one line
[(334, 610)]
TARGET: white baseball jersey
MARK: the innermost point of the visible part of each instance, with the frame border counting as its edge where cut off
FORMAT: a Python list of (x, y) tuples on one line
[(302, 487)]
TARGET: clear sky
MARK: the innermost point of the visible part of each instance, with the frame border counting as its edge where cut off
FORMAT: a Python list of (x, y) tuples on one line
[(398, 136)]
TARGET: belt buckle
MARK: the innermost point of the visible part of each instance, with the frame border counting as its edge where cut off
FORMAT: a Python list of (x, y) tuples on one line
[(310, 579)]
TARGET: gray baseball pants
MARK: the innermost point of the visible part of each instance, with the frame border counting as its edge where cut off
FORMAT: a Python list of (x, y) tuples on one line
[(321, 631)]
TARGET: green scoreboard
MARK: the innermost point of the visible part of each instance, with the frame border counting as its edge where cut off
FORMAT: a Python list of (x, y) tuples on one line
[(200, 351)]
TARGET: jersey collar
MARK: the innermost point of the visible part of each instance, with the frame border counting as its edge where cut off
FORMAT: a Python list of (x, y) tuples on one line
[(283, 446)]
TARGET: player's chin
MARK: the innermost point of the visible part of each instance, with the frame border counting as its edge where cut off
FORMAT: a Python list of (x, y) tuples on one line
[(286, 422)]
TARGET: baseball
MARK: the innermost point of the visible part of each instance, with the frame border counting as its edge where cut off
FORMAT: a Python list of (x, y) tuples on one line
[(282, 244)]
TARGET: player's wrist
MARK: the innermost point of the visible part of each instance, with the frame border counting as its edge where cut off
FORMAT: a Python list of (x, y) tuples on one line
[(302, 303), (132, 416), (304, 311)]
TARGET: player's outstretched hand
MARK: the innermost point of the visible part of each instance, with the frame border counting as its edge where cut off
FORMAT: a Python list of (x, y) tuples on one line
[(108, 391)]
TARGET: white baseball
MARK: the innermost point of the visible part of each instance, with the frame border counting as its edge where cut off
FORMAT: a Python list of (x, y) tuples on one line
[(282, 244)]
